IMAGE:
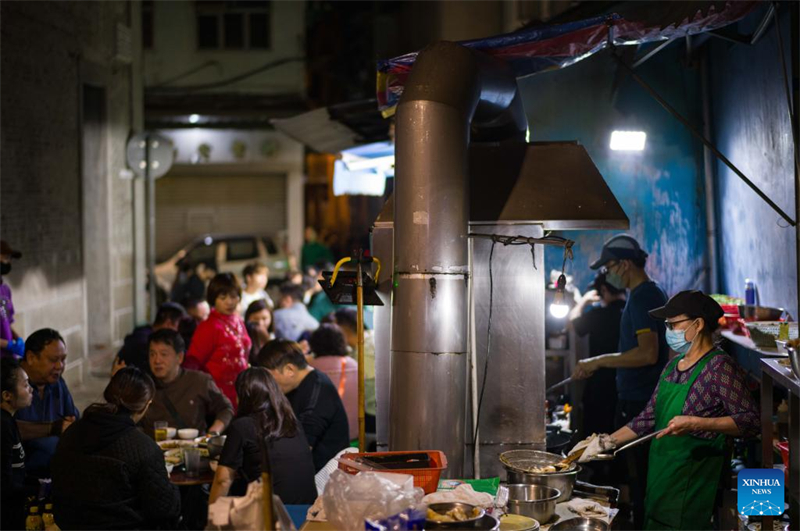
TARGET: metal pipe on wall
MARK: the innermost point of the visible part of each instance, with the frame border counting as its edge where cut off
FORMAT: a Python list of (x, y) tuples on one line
[(450, 89), (712, 286)]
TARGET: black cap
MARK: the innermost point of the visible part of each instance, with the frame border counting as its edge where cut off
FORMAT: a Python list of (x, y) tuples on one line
[(6, 249), (620, 247), (692, 303)]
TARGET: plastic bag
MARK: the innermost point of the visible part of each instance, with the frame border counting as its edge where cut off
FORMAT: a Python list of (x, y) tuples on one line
[(350, 500)]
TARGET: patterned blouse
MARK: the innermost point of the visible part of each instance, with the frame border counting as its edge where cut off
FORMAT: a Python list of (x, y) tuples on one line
[(718, 391)]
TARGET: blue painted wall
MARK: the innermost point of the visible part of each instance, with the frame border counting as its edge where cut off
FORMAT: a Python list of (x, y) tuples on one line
[(752, 127), (661, 188)]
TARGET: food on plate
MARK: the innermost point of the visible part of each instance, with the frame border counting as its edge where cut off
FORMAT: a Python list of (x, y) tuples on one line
[(453, 515)]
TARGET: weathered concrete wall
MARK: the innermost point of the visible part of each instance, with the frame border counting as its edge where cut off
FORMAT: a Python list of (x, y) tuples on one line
[(752, 128), (175, 51), (660, 188), (50, 51)]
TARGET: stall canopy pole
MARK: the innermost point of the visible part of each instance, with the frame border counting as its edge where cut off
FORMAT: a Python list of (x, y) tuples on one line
[(702, 138), (362, 444)]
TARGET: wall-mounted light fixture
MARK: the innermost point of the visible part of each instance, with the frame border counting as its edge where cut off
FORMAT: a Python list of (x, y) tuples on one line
[(628, 140)]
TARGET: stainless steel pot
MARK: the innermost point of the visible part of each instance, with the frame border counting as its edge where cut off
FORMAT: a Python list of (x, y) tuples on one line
[(535, 501), (563, 481), (581, 524)]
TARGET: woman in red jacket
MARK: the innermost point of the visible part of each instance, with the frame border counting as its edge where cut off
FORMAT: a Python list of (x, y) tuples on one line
[(220, 344)]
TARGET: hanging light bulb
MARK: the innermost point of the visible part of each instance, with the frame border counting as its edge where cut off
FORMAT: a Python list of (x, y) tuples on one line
[(559, 309)]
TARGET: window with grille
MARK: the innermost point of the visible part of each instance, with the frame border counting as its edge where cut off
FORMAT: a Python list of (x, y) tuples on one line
[(233, 25)]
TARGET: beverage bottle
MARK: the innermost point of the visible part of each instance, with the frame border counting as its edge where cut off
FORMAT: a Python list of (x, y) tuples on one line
[(34, 521), (749, 292), (47, 516)]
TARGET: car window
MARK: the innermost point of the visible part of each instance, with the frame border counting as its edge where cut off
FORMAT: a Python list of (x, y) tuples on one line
[(203, 252), (244, 249), (270, 245)]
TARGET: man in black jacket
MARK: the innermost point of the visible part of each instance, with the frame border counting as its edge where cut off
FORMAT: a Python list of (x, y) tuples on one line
[(313, 396)]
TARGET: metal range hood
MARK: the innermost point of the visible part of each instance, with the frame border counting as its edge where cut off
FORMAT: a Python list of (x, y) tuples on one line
[(553, 184), (462, 166)]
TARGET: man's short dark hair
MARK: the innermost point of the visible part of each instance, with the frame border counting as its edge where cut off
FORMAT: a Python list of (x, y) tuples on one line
[(191, 302), (292, 290), (168, 336), (347, 318), (639, 261), (276, 354), (223, 284), (39, 340), (328, 340), (169, 312)]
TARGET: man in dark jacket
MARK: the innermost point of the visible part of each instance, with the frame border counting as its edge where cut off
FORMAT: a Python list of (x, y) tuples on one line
[(314, 399), (135, 351)]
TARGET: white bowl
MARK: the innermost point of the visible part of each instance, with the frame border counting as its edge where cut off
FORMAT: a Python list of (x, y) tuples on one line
[(171, 432), (188, 433)]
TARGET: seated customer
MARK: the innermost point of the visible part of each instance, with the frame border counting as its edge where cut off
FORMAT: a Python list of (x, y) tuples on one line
[(313, 397), (265, 416), (52, 410), (16, 394), (106, 473), (134, 352), (330, 356), (183, 398), (260, 326), (292, 318)]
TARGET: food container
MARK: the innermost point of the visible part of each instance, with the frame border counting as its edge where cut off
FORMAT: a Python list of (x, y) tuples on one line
[(517, 522), (760, 313), (475, 515), (535, 501), (581, 524), (188, 433), (563, 481), (425, 477)]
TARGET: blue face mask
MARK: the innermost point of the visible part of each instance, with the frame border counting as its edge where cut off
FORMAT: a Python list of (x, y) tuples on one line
[(676, 339)]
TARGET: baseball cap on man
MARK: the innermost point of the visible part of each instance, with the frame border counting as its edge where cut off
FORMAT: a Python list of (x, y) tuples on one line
[(620, 247), (6, 249), (693, 303)]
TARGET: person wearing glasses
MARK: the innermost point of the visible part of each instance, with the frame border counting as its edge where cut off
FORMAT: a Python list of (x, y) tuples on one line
[(642, 352), (700, 400)]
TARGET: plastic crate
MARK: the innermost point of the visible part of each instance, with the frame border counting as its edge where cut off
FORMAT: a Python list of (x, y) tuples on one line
[(425, 478)]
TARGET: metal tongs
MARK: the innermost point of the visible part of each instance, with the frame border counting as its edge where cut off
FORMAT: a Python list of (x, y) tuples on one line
[(640, 440)]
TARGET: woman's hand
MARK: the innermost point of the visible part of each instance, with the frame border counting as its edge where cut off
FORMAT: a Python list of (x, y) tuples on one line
[(680, 425)]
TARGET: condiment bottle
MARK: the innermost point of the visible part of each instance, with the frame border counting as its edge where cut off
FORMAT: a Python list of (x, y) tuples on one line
[(34, 521), (47, 516)]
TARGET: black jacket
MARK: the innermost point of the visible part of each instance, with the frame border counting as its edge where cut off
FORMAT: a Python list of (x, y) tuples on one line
[(109, 475)]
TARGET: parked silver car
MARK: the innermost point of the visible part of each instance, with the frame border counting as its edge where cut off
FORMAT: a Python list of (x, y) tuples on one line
[(228, 253)]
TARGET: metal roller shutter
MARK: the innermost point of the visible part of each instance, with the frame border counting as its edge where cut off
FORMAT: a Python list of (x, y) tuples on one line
[(189, 206)]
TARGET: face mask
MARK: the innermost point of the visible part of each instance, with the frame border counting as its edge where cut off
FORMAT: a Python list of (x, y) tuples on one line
[(676, 339), (5, 268), (615, 280)]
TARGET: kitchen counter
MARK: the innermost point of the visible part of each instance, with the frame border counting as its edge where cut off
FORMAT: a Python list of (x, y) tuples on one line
[(774, 374)]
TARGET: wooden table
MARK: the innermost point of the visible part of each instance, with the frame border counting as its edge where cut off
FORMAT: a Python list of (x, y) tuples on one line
[(179, 477)]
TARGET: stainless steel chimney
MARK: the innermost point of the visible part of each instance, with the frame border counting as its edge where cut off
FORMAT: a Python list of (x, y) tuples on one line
[(453, 95)]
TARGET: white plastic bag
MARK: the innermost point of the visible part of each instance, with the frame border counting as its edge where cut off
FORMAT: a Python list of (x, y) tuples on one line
[(349, 500)]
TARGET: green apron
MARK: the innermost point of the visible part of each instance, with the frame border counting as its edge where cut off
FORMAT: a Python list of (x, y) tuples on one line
[(683, 472)]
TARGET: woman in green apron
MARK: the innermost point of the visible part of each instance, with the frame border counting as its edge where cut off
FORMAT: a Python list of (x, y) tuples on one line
[(700, 399)]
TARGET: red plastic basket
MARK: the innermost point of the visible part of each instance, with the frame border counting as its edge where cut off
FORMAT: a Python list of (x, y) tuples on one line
[(425, 478)]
